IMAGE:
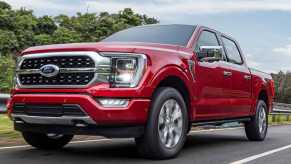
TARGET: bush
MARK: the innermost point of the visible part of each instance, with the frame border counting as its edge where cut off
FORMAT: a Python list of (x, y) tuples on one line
[(7, 67)]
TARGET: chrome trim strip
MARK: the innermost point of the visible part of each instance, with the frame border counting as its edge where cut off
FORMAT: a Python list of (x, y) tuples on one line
[(62, 70), (96, 57), (64, 120)]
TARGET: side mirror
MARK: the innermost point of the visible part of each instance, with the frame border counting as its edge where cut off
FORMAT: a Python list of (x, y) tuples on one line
[(210, 53)]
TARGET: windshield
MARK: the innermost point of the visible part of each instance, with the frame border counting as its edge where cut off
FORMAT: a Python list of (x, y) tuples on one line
[(162, 34)]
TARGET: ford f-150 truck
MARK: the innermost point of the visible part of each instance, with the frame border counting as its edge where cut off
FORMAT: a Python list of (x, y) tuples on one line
[(151, 83)]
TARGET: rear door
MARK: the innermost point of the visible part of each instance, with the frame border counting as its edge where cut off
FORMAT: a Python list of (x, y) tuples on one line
[(240, 92)]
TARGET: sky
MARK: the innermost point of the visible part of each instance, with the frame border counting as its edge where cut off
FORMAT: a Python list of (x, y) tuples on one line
[(262, 27)]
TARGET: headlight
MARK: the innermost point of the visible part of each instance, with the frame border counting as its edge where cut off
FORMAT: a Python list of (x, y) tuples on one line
[(18, 62), (126, 69)]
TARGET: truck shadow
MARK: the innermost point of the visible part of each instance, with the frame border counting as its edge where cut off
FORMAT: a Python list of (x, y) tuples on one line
[(125, 150)]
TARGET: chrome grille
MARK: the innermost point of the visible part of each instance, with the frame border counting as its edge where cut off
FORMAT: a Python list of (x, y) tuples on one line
[(76, 69), (60, 61), (82, 78)]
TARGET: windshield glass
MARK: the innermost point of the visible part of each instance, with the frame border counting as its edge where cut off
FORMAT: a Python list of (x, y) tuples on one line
[(162, 34)]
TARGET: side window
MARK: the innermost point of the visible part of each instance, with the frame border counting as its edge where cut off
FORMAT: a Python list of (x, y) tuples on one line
[(232, 51), (208, 38)]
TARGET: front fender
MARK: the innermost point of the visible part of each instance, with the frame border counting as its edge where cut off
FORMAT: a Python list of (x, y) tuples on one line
[(169, 71)]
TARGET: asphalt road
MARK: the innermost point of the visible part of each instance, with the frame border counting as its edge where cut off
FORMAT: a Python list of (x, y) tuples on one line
[(205, 147)]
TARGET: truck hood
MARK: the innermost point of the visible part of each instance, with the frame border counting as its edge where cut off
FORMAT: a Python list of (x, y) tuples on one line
[(107, 47)]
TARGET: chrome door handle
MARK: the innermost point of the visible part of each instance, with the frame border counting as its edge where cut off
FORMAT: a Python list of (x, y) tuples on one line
[(247, 77), (227, 73)]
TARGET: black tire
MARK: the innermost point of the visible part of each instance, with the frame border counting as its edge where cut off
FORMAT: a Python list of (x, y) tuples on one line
[(43, 141), (252, 128), (150, 144)]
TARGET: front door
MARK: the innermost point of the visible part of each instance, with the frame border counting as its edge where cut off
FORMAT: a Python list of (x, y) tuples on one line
[(213, 82)]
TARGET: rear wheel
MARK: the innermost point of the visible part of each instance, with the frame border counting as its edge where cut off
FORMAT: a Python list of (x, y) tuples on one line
[(256, 129), (165, 133), (46, 141)]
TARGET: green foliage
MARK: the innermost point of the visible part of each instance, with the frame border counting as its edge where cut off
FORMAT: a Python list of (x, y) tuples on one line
[(45, 25), (42, 39), (7, 67), (4, 6), (8, 42), (20, 29), (64, 35), (282, 87)]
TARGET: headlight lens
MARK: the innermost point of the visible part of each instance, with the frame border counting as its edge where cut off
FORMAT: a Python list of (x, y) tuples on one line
[(18, 62), (127, 69)]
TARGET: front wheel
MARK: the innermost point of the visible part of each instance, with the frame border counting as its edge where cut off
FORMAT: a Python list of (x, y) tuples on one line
[(256, 129), (46, 141), (166, 129)]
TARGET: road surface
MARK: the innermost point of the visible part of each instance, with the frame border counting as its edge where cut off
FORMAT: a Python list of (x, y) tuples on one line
[(228, 146)]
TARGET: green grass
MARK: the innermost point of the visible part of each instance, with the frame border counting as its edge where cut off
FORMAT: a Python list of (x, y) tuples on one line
[(280, 119), (6, 128)]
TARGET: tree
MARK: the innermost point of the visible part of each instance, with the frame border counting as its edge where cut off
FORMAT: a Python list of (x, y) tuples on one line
[(25, 25), (7, 19), (86, 25), (42, 39), (20, 29), (4, 6), (7, 67), (64, 35), (45, 25), (8, 42)]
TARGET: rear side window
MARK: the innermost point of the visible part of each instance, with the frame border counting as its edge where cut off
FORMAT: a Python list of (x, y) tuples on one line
[(232, 51), (206, 38)]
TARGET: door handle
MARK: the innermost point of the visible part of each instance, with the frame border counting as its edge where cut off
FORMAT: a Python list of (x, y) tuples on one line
[(227, 74), (247, 77)]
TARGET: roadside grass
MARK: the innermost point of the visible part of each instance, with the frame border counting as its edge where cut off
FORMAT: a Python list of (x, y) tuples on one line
[(279, 119), (8, 136)]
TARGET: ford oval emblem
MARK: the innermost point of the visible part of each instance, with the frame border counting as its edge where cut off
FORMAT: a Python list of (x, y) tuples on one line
[(49, 70)]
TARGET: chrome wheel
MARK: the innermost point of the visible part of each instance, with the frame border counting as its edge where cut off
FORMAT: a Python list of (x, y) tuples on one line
[(262, 119), (170, 123)]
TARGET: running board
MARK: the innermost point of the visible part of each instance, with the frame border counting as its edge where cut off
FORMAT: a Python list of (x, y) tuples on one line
[(219, 122)]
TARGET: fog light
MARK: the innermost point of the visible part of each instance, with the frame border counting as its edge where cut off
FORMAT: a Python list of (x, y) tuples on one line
[(111, 103)]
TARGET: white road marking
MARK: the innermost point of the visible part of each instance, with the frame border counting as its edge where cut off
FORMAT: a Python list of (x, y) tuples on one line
[(254, 157), (14, 147)]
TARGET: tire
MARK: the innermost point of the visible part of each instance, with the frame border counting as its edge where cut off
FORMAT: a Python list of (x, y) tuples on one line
[(46, 141), (165, 133), (256, 129)]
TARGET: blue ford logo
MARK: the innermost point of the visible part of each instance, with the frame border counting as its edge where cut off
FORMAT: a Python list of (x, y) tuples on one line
[(49, 70)]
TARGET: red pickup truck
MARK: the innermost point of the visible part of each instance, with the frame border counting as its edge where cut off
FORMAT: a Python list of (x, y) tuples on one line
[(151, 83)]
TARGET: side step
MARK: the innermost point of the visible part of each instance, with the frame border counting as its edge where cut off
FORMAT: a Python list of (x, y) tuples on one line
[(219, 122)]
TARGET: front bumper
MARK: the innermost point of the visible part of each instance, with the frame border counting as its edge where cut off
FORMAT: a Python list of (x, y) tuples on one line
[(134, 114)]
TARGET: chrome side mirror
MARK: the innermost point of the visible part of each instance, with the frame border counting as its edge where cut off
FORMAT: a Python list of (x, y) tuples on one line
[(210, 53)]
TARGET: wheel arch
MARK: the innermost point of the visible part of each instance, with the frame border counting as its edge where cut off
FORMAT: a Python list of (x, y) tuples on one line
[(263, 95), (175, 77)]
